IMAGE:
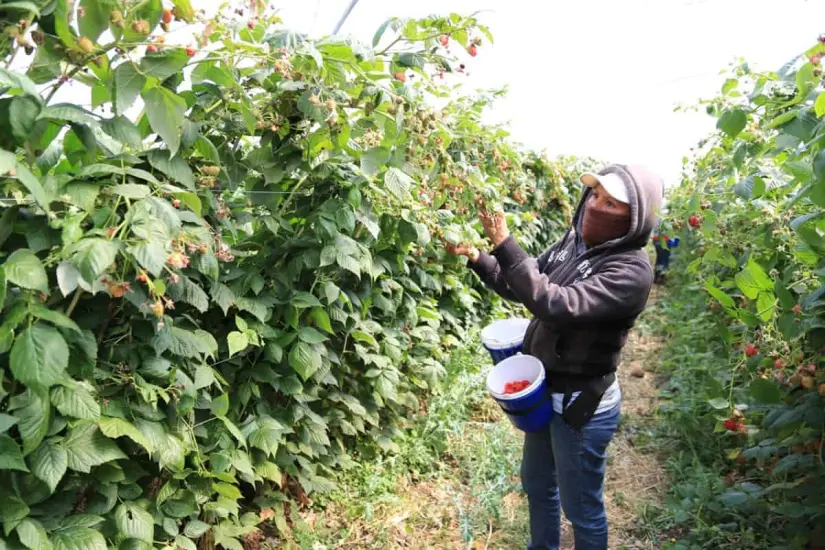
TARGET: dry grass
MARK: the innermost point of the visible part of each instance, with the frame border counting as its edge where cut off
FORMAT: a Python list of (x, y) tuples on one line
[(453, 510)]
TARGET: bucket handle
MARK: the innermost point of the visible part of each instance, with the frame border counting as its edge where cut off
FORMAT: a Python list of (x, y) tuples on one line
[(531, 408)]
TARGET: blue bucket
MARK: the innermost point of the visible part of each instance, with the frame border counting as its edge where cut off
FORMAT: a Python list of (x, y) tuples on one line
[(531, 409), (504, 338)]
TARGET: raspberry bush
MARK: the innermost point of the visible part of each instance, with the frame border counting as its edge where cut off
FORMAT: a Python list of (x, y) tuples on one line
[(750, 213), (210, 306)]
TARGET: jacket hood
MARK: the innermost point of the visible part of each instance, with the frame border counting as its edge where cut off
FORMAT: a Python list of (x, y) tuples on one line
[(645, 191)]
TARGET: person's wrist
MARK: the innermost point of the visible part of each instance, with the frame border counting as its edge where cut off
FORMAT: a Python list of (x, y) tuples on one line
[(500, 238), (473, 254)]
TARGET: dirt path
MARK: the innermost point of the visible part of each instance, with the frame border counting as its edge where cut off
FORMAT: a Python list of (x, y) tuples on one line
[(475, 502)]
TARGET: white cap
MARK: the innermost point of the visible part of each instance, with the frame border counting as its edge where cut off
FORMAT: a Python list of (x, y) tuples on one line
[(612, 183)]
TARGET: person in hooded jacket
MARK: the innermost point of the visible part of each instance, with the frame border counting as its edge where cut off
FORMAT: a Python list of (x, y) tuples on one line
[(585, 293)]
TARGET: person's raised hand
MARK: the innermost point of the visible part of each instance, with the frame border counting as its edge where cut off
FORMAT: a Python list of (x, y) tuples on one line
[(463, 249), (493, 222)]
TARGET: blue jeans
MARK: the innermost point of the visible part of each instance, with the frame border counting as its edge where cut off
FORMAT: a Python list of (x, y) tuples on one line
[(568, 463), (662, 258)]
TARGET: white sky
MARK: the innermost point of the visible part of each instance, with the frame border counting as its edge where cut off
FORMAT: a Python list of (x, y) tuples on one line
[(601, 77), (593, 77)]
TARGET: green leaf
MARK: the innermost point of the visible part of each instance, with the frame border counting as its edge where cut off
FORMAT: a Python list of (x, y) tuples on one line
[(191, 200), (25, 269), (311, 336), (719, 403), (269, 471), (33, 186), (233, 429), (76, 402), (133, 191), (48, 463), (819, 105), (268, 436), (164, 65), (398, 183), (86, 446), (304, 359), (331, 291), (765, 392), (33, 412), (720, 296), (220, 405), (394, 21), (785, 297), (732, 121), (128, 82), (150, 255), (95, 19), (12, 508), (366, 338), (176, 168), (66, 112), (321, 318), (123, 130), (207, 150), (204, 377), (39, 357), (23, 112), (114, 428), (80, 520), (165, 110), (373, 159), (134, 522), (92, 257), (53, 316), (766, 305), (195, 529), (78, 538), (303, 299), (33, 536), (19, 81), (410, 59), (186, 344), (187, 291), (349, 263), (236, 342), (6, 422), (753, 279), (11, 458)]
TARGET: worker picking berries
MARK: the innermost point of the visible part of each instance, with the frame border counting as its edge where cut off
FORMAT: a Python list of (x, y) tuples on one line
[(585, 293)]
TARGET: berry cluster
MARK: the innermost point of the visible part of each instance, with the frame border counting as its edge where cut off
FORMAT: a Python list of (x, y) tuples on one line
[(516, 386)]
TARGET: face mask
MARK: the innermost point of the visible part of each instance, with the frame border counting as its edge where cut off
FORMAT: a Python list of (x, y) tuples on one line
[(600, 226)]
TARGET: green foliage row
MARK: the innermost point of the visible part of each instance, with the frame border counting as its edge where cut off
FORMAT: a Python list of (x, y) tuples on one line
[(750, 211), (226, 281)]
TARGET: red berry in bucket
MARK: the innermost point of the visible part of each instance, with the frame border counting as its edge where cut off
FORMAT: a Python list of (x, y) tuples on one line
[(516, 386)]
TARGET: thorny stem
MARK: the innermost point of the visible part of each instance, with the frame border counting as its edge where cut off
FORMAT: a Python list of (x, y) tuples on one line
[(76, 70), (75, 300)]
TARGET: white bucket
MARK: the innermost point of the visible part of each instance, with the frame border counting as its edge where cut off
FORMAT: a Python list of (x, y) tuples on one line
[(517, 367), (504, 334)]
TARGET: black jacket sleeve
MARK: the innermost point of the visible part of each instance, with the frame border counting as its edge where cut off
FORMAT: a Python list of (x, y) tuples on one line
[(619, 289), (488, 270)]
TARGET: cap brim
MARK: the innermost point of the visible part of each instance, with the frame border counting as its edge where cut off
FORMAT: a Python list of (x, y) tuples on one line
[(589, 179), (611, 183)]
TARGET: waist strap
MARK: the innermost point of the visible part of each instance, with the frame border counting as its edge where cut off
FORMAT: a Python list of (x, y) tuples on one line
[(578, 413)]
